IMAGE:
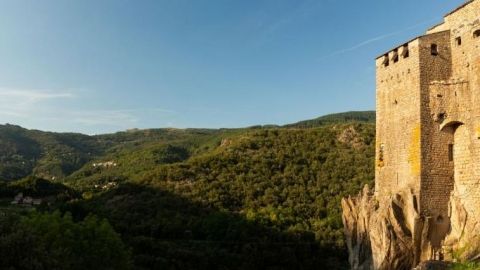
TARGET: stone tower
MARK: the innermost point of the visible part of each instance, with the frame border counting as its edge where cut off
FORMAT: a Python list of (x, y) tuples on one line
[(428, 140)]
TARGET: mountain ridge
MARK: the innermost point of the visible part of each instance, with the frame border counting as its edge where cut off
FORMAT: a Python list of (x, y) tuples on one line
[(55, 155), (261, 197), (348, 116)]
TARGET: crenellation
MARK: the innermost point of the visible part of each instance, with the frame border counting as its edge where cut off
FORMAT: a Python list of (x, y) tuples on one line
[(427, 169), (428, 117)]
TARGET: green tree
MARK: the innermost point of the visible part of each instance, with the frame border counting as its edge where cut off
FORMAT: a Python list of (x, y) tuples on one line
[(55, 241)]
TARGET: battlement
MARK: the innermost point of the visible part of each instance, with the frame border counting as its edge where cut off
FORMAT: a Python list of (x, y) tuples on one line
[(404, 50), (428, 113), (426, 204), (395, 55), (407, 44), (446, 25)]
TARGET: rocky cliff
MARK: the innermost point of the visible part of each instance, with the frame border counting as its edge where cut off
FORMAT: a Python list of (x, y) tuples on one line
[(393, 235)]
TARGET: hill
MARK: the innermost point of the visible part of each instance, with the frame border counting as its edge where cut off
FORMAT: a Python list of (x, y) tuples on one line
[(346, 117), (55, 156), (257, 195), (253, 198), (50, 155)]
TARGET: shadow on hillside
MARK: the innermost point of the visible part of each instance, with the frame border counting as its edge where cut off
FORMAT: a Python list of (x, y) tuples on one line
[(166, 231)]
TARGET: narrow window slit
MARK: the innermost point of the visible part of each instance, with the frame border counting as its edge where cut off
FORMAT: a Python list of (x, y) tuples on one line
[(405, 51), (450, 152), (434, 49), (395, 56), (386, 61)]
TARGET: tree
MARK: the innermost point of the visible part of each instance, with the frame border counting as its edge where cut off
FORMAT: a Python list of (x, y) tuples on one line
[(55, 241)]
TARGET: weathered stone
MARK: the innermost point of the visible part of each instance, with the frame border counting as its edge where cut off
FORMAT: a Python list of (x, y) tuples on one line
[(380, 236), (426, 203)]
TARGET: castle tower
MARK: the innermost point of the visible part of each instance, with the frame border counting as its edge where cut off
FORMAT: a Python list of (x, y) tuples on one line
[(428, 119)]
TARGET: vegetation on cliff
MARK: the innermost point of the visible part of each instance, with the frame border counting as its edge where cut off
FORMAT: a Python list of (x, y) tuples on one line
[(465, 266)]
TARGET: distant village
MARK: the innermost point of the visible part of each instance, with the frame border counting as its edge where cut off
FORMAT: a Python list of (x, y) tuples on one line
[(107, 164), (106, 186), (25, 200)]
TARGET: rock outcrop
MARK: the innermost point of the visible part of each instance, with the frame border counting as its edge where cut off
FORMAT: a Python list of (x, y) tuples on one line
[(380, 236), (393, 235), (463, 239)]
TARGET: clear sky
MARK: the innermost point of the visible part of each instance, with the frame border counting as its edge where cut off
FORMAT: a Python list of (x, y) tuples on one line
[(97, 66)]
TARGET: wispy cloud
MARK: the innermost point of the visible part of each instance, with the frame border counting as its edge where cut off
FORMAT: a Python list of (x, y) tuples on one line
[(22, 102), (375, 39), (302, 10), (122, 118), (270, 29), (62, 110), (32, 94)]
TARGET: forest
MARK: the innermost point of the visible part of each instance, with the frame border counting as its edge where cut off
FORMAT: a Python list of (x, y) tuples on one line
[(263, 197)]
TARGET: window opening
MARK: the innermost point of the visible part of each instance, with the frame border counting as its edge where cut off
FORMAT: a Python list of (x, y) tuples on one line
[(395, 56), (386, 61), (476, 34), (450, 152), (458, 40), (405, 51), (434, 49)]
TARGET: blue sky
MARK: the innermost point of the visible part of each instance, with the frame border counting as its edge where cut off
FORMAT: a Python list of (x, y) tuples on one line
[(97, 66)]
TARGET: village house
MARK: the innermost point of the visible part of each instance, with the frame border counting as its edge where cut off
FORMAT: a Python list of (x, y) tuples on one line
[(19, 199)]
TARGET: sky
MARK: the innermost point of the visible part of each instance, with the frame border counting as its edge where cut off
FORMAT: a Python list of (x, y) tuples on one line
[(100, 66)]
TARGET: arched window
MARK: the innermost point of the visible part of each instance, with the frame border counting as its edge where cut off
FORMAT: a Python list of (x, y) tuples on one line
[(476, 34)]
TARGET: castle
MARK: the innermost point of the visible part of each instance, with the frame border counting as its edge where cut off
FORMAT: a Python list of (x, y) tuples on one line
[(428, 117), (428, 142)]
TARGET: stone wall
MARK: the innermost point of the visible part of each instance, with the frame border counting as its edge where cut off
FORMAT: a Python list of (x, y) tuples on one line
[(398, 121), (458, 98), (421, 102), (428, 151), (437, 170)]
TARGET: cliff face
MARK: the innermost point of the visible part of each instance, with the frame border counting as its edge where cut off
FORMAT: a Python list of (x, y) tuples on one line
[(379, 236), (463, 239), (393, 235)]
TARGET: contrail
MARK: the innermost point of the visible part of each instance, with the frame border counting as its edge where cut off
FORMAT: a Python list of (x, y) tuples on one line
[(372, 40)]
